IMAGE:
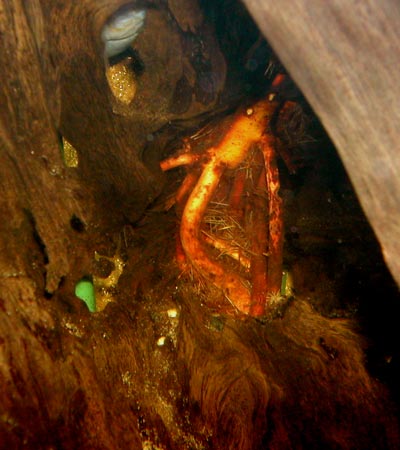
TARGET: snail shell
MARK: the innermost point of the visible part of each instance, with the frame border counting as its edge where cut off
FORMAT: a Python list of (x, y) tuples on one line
[(121, 29)]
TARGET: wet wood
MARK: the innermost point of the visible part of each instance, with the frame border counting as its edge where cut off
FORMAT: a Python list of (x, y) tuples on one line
[(343, 55), (155, 369)]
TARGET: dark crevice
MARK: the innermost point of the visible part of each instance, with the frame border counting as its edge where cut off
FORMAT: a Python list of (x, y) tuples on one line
[(36, 236), (132, 59), (77, 224), (41, 247)]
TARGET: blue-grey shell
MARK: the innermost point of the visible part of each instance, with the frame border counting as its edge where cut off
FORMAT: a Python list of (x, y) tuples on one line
[(121, 30)]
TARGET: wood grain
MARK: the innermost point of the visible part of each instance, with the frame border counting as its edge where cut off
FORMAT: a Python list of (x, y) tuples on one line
[(344, 55)]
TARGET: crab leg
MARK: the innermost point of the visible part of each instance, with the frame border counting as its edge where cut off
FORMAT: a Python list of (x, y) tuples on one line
[(275, 245), (227, 249), (236, 195), (231, 284), (259, 247), (179, 160)]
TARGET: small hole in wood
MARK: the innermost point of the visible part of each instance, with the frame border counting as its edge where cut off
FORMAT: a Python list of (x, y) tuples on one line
[(77, 224)]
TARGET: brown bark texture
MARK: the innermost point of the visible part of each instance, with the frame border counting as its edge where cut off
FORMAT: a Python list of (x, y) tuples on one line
[(343, 55), (156, 369)]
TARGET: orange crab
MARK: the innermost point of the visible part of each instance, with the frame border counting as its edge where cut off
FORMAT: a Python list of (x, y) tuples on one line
[(231, 230)]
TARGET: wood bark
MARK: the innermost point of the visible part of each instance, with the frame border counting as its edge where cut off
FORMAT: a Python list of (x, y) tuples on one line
[(343, 55), (71, 379)]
